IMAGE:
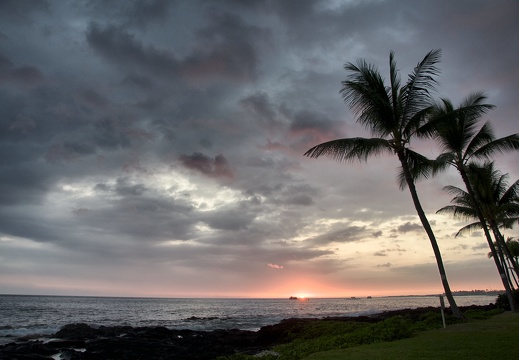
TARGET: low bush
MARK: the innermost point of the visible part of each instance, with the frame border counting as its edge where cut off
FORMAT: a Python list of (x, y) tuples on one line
[(502, 300)]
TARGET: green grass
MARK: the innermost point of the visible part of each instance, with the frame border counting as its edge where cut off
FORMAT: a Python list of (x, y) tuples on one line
[(493, 338)]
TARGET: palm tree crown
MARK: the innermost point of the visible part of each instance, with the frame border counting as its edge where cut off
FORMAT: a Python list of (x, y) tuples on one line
[(456, 131), (392, 113), (498, 202)]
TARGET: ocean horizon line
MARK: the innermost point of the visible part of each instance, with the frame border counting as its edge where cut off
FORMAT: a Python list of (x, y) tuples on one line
[(455, 293)]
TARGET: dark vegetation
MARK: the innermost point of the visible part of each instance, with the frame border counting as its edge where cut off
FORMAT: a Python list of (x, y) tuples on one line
[(302, 338)]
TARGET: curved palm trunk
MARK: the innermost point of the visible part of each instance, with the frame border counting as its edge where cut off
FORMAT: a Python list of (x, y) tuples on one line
[(425, 223), (483, 222)]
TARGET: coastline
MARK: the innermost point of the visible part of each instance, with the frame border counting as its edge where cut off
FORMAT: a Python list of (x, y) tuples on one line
[(85, 342)]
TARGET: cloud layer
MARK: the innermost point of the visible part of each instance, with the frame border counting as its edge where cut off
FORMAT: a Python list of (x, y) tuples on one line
[(154, 148)]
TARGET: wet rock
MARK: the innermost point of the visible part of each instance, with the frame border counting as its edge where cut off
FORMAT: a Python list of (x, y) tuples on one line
[(31, 350)]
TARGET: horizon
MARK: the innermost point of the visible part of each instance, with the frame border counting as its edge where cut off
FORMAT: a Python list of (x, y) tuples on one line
[(299, 296)]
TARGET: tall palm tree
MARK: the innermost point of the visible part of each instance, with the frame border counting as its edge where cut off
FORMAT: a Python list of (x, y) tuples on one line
[(393, 114), (456, 130)]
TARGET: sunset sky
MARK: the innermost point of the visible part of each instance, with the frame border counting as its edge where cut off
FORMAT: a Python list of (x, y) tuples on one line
[(155, 148)]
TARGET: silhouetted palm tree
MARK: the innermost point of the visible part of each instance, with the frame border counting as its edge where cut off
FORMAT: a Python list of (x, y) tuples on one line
[(494, 205), (393, 114), (513, 248), (456, 130)]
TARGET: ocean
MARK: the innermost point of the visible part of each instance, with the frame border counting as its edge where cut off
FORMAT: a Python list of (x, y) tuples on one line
[(40, 316)]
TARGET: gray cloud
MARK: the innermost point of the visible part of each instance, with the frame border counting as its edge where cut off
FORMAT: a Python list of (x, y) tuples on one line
[(409, 227), (345, 235), (166, 137), (217, 167)]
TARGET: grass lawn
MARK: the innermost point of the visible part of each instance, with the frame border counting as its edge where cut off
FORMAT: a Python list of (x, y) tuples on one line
[(494, 338)]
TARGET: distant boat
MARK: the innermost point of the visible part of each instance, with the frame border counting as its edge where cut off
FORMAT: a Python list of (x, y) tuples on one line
[(296, 298), (369, 297), (353, 297)]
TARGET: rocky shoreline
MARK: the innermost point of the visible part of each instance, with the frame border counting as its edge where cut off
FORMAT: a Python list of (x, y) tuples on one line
[(84, 342)]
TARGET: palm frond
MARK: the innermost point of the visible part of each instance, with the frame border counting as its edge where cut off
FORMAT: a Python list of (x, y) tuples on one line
[(350, 149), (468, 229), (416, 92), (452, 127), (498, 146), (395, 84), (458, 212), (484, 136), (420, 167), (367, 96), (455, 191), (447, 158), (511, 195), (442, 113), (509, 223), (416, 125), (473, 106)]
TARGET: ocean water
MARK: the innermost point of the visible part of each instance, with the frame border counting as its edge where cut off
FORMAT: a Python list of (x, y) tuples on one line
[(40, 316)]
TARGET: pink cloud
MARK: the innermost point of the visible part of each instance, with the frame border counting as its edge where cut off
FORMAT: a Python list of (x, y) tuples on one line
[(275, 266)]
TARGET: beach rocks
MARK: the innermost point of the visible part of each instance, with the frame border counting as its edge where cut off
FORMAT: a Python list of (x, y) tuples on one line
[(84, 342)]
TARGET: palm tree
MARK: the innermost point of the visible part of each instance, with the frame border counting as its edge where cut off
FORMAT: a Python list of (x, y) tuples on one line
[(493, 205), (499, 202), (513, 247), (511, 262), (457, 133), (393, 114)]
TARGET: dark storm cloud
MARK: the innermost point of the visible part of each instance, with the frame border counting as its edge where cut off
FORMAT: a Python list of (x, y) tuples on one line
[(119, 46), (107, 134), (124, 189), (313, 126), (21, 10), (68, 151), (26, 184), (24, 75), (217, 167), (223, 50), (168, 135), (148, 11), (261, 106)]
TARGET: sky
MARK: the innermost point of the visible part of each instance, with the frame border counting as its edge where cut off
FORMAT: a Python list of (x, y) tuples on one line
[(155, 148)]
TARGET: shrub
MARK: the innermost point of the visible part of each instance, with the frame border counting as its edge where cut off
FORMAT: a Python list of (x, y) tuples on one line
[(502, 300)]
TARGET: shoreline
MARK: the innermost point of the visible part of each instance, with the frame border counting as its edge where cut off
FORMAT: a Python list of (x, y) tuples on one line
[(84, 342)]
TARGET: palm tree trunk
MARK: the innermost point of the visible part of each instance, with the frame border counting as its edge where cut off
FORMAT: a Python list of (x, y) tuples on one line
[(502, 260), (502, 274), (425, 223)]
